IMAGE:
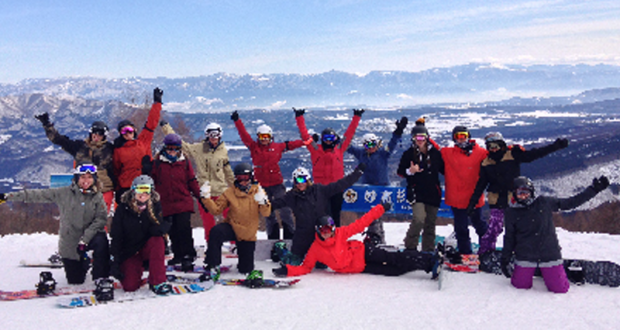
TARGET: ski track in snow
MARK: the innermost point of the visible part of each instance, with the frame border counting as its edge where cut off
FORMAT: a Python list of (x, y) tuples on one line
[(324, 300)]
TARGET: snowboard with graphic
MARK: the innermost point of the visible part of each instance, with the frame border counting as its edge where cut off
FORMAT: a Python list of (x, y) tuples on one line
[(31, 294)]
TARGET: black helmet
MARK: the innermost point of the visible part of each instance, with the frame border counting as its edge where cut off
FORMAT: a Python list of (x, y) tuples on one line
[(522, 182), (99, 127), (324, 221), (329, 134), (124, 123), (243, 168), (460, 129)]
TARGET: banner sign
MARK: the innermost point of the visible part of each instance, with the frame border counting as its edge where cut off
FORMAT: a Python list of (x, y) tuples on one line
[(60, 180), (361, 198)]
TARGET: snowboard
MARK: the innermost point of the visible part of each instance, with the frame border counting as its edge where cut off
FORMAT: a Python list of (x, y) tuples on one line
[(30, 294), (604, 273), (267, 283), (467, 263), (142, 293), (197, 269)]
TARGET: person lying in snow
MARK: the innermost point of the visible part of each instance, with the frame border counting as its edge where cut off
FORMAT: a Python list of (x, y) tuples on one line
[(333, 248)]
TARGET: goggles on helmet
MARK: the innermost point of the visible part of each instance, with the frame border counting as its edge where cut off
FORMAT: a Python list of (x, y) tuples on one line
[(301, 179), (461, 135), (264, 136), (142, 188), (523, 193), (216, 134), (86, 168), (329, 137), (127, 129)]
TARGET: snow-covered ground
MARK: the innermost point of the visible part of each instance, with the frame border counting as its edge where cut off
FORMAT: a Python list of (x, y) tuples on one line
[(323, 300)]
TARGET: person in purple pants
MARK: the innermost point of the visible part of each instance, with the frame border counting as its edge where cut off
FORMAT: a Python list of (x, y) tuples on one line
[(531, 237)]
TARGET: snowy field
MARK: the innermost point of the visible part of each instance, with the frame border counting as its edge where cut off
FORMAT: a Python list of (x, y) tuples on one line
[(323, 300)]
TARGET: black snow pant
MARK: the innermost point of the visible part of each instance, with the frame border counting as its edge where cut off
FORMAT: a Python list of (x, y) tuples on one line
[(382, 262), (335, 206), (223, 232), (75, 270), (286, 215), (182, 241)]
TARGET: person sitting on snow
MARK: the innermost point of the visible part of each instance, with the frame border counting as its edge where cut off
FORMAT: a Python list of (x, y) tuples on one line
[(333, 248), (531, 237)]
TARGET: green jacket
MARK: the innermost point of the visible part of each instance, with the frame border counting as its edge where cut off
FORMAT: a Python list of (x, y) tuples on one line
[(82, 215)]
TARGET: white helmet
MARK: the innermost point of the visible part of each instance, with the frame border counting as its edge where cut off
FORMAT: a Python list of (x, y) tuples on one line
[(370, 137), (264, 129), (301, 172), (214, 130)]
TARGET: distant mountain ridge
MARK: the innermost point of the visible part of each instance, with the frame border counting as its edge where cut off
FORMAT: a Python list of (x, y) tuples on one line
[(474, 82)]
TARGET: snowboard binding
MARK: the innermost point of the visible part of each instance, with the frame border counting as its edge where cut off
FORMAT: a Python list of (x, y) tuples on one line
[(104, 289), (254, 279), (55, 259), (46, 285)]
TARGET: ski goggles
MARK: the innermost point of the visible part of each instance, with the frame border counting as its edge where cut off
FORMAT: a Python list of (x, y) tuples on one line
[(264, 136), (301, 179), (461, 135), (142, 188), (370, 144), (214, 134), (173, 148), (86, 168), (329, 137), (493, 146), (420, 137), (99, 132), (326, 229), (523, 193), (243, 177), (127, 129)]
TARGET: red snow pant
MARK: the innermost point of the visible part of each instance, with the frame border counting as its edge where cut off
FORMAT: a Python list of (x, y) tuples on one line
[(555, 278), (208, 220), (132, 268)]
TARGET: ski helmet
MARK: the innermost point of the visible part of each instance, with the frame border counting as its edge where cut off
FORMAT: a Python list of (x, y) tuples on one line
[(84, 168), (301, 175), (329, 134), (100, 128), (370, 140), (214, 130), (243, 169), (142, 180), (324, 222), (460, 129), (523, 183), (124, 123), (264, 130)]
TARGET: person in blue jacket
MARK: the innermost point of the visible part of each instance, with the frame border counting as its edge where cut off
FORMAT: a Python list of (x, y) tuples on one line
[(375, 156)]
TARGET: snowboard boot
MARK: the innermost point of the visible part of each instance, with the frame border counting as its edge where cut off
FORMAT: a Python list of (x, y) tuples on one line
[(187, 264), (175, 261), (161, 289), (291, 259), (278, 251), (210, 274), (55, 259), (104, 289), (46, 285), (372, 238), (574, 272), (254, 279)]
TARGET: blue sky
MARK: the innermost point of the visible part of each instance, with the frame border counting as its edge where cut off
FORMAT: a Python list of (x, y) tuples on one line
[(118, 39)]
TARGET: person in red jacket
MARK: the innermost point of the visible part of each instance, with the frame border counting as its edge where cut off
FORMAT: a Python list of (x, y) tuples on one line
[(266, 155), (176, 183), (130, 148), (461, 172), (333, 248), (327, 157)]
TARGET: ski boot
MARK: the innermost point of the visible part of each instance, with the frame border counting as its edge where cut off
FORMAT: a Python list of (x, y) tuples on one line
[(46, 285), (210, 274), (104, 289), (254, 279), (278, 251), (187, 264), (161, 289)]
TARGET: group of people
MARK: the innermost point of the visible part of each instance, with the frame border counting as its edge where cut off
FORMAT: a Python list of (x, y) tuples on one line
[(155, 198)]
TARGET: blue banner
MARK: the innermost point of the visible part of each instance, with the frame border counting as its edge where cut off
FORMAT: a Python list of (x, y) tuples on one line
[(60, 180), (361, 198)]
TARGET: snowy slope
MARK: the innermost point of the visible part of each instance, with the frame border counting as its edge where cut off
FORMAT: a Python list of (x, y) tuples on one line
[(323, 300)]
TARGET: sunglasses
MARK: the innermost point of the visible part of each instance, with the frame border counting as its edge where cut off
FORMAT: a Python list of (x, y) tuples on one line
[(326, 229), (329, 137), (461, 135), (264, 136), (214, 134), (420, 137), (86, 168), (242, 177), (301, 179), (127, 129), (142, 189), (173, 148)]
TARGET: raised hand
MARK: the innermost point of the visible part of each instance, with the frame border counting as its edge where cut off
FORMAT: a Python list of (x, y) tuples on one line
[(299, 112), (157, 94)]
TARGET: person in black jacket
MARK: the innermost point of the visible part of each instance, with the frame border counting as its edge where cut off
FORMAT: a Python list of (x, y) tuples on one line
[(531, 237), (137, 236), (310, 201), (421, 165), (497, 173)]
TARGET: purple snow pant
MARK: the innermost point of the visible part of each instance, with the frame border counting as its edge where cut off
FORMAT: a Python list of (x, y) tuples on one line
[(555, 278), (495, 227)]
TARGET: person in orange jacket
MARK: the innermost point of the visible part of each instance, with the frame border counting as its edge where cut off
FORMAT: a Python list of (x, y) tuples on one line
[(333, 248), (461, 173)]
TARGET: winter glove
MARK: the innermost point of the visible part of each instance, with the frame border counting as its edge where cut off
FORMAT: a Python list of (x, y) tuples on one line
[(81, 248), (387, 206), (358, 112), (316, 138), (299, 112), (157, 94), (280, 272), (205, 190), (504, 266), (361, 167), (261, 197), (560, 143), (163, 123), (308, 141), (235, 116), (2, 198), (600, 184), (44, 118), (115, 270), (147, 165), (401, 125)]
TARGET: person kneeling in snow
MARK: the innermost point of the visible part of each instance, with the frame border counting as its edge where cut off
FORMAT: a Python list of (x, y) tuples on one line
[(531, 237), (333, 248)]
